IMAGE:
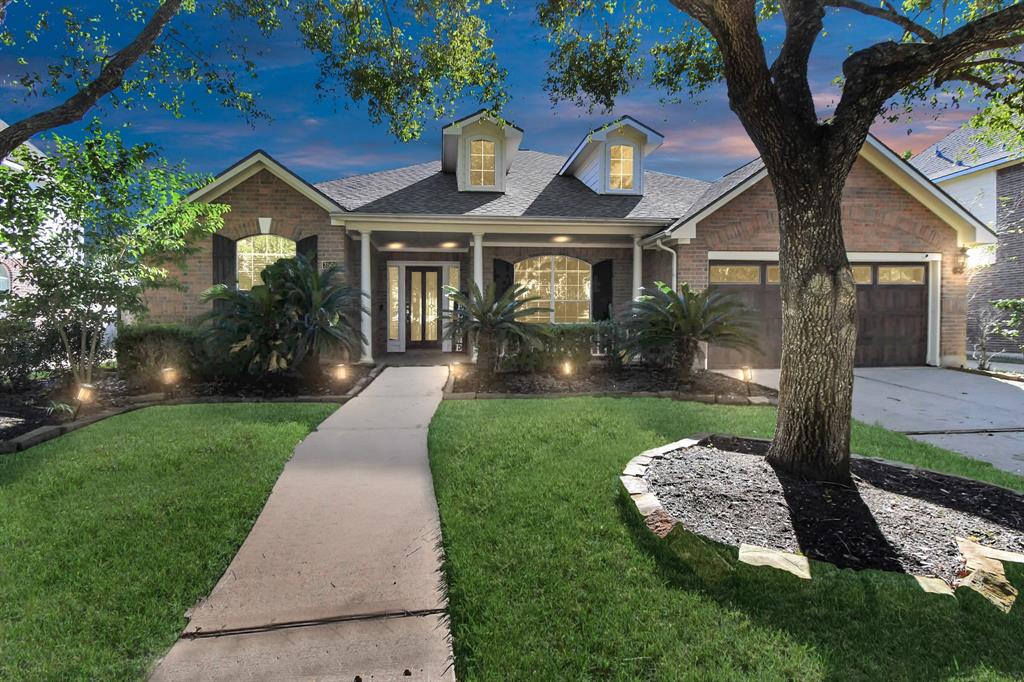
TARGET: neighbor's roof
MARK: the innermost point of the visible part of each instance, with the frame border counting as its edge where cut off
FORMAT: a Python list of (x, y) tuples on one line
[(959, 152), (532, 188)]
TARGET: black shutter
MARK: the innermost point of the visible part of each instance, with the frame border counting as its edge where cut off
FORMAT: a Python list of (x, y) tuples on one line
[(307, 249), (223, 264), (504, 276), (601, 290)]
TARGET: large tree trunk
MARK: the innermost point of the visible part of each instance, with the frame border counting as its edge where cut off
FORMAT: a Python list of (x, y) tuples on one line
[(819, 301)]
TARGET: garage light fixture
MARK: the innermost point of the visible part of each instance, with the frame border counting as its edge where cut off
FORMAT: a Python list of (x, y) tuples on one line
[(960, 261)]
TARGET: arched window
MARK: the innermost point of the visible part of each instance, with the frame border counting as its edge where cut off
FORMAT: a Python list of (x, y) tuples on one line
[(620, 167), (5, 279), (255, 253), (562, 283), (481, 163)]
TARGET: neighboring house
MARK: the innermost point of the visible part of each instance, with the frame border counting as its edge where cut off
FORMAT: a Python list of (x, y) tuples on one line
[(989, 181), (584, 232), (10, 266)]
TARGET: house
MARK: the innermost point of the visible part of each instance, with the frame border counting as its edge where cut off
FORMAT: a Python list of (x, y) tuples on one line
[(988, 179), (585, 232), (10, 264)]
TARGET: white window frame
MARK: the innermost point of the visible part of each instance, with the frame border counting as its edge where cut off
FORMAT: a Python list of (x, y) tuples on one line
[(637, 162), (6, 271), (497, 164), (398, 345), (255, 236), (551, 286)]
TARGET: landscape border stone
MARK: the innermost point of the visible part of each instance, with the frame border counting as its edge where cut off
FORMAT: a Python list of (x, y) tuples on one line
[(984, 574), (138, 402), (708, 398)]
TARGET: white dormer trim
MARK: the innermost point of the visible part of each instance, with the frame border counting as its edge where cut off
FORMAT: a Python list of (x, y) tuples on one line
[(590, 162), (465, 181), (654, 139), (455, 144)]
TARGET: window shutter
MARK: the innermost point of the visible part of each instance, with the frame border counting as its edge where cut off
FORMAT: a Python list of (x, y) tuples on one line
[(223, 260), (504, 276), (601, 290), (307, 248)]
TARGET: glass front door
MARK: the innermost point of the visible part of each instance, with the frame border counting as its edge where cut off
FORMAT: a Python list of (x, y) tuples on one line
[(423, 307)]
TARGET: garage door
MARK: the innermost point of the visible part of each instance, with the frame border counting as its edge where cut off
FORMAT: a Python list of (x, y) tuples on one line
[(892, 313)]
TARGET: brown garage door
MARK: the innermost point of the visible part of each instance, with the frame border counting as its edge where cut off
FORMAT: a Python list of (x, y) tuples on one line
[(892, 313)]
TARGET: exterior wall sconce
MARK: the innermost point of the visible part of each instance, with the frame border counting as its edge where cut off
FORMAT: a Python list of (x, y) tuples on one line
[(960, 261)]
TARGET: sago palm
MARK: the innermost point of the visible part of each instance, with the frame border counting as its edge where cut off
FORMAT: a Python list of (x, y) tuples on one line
[(489, 321), (663, 320)]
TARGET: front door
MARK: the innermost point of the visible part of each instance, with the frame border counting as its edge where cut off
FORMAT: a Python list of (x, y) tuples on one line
[(423, 307)]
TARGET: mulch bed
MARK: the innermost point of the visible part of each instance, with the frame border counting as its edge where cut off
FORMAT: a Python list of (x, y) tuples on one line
[(894, 518), (602, 380)]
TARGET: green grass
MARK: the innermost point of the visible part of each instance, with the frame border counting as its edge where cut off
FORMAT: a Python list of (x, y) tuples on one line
[(108, 534), (551, 577)]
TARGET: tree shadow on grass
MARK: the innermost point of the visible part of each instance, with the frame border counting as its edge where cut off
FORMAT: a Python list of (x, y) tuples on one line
[(862, 624)]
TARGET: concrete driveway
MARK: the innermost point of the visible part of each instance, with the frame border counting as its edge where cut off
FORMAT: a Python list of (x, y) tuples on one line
[(978, 416)]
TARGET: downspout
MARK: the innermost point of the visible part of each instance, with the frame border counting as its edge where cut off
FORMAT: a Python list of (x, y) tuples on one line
[(675, 277)]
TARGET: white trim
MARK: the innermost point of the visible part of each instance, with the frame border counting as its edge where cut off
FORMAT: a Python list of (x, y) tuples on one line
[(562, 245), (417, 249), (655, 139), (466, 183), (366, 279), (250, 166), (398, 346), (996, 164), (638, 267), (637, 162), (933, 259), (852, 256), (398, 222)]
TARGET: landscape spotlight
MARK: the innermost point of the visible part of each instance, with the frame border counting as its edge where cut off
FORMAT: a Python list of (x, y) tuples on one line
[(86, 393), (339, 372), (567, 368), (746, 374), (169, 376)]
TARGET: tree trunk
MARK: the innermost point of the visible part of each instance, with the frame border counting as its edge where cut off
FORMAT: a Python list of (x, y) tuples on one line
[(486, 357), (686, 353), (819, 301)]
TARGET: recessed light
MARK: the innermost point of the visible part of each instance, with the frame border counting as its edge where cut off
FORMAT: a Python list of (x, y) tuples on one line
[(395, 245), (449, 245), (561, 239)]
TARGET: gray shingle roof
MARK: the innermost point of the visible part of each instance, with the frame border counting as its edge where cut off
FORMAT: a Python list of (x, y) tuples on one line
[(956, 152), (722, 186), (532, 188)]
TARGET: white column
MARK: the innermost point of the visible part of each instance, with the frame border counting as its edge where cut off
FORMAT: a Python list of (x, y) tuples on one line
[(478, 260), (638, 267), (366, 277)]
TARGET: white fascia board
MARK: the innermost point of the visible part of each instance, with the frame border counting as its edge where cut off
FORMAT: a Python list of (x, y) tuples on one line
[(250, 166), (492, 224), (1001, 162), (852, 256)]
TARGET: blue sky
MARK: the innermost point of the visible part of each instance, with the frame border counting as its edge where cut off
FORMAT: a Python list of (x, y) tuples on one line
[(324, 139)]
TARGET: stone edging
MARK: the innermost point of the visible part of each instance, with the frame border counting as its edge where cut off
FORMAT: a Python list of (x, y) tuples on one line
[(709, 398), (137, 402), (985, 572)]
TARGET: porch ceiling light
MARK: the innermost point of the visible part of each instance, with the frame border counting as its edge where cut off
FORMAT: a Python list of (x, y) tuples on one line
[(449, 245), (560, 239), (396, 245)]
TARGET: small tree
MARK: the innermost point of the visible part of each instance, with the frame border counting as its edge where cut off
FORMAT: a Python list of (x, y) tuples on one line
[(489, 322), (1011, 325), (94, 224), (664, 321)]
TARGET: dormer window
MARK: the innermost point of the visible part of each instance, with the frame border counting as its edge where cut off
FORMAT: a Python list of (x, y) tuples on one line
[(620, 167), (481, 163)]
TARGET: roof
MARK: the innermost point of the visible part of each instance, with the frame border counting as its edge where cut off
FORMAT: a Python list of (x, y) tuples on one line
[(959, 152), (600, 133), (533, 188), (725, 184)]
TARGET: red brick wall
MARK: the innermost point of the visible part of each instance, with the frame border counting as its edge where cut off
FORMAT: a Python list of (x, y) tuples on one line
[(877, 216), (261, 196)]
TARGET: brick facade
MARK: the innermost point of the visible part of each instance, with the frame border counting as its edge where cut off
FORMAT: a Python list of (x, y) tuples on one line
[(261, 196), (1005, 277), (877, 216)]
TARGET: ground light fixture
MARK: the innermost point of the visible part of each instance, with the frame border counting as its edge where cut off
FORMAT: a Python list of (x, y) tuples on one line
[(454, 368), (567, 368), (747, 375), (86, 394), (169, 377), (339, 372)]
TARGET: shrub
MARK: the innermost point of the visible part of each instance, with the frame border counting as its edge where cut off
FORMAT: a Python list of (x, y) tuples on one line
[(492, 323), (665, 321), (559, 343), (283, 325), (611, 338), (145, 349), (26, 349), (1011, 324)]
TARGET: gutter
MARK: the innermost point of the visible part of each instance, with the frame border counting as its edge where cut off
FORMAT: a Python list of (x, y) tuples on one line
[(675, 258)]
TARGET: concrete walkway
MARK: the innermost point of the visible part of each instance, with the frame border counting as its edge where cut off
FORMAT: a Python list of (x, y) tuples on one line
[(340, 577), (978, 416)]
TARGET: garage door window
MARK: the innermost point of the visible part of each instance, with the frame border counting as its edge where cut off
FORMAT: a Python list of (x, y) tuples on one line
[(735, 274), (901, 274), (861, 274)]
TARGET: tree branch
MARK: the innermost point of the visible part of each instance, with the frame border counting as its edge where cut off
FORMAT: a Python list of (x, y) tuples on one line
[(110, 78), (888, 13), (804, 22)]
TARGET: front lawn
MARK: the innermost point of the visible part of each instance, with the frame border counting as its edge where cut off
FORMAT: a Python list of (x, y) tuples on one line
[(108, 534), (550, 578)]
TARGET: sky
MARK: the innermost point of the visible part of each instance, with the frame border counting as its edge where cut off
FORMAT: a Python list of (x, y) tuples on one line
[(325, 139)]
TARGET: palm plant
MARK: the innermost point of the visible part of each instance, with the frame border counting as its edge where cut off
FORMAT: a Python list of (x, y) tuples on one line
[(285, 323), (489, 322), (665, 321)]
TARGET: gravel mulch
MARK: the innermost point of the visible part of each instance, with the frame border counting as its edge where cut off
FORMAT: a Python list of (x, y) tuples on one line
[(601, 380), (894, 519)]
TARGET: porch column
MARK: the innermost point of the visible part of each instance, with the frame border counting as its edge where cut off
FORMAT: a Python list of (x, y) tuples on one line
[(366, 277), (638, 267), (478, 260)]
